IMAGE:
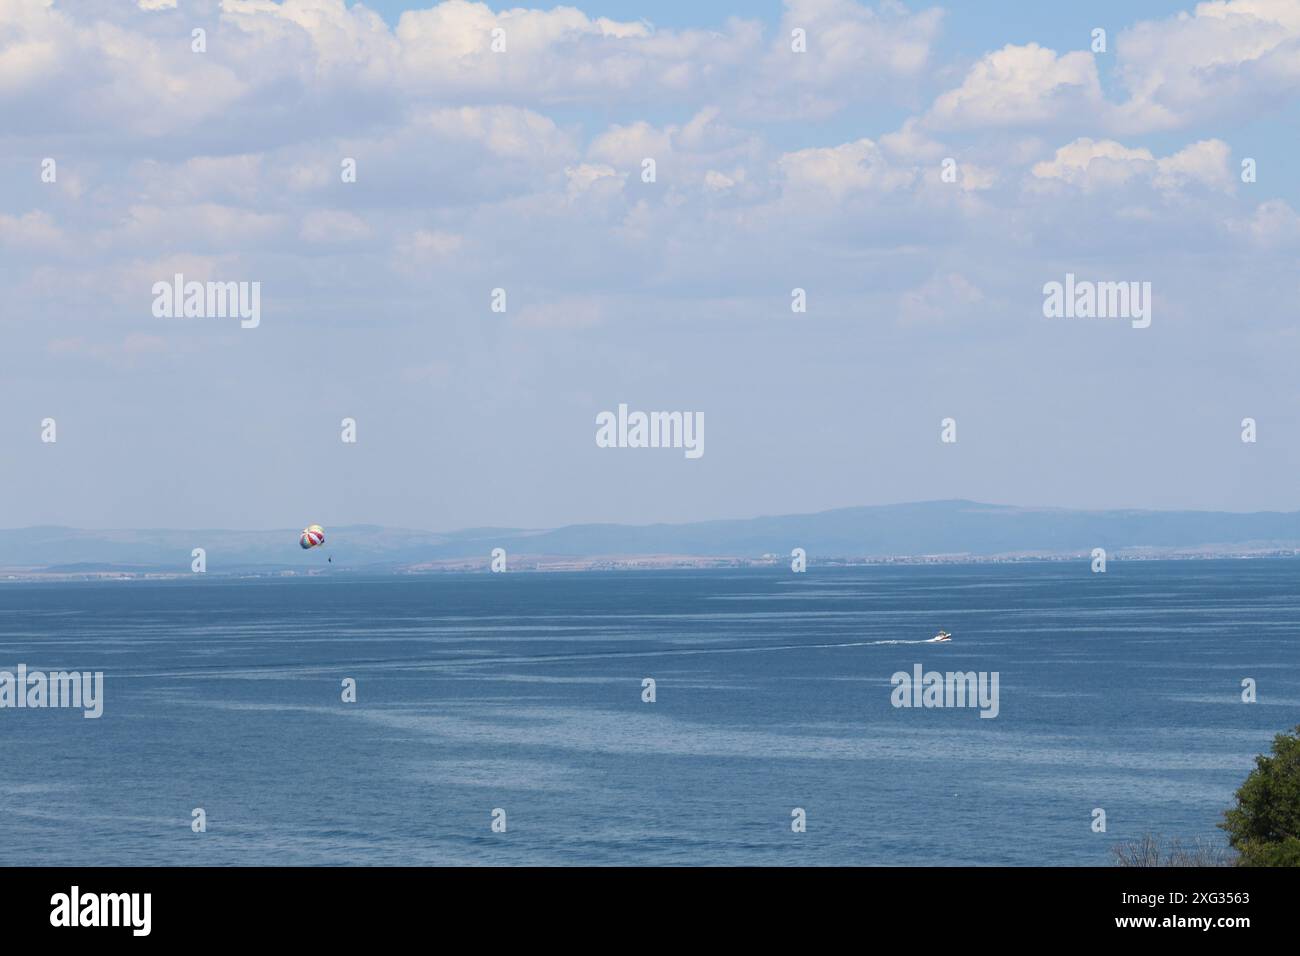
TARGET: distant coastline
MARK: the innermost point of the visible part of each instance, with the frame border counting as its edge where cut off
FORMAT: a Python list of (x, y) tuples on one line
[(936, 532), (544, 564)]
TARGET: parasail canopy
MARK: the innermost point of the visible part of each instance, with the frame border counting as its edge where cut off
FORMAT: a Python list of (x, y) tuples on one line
[(313, 536)]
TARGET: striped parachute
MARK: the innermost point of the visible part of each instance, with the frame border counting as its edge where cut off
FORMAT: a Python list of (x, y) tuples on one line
[(313, 536)]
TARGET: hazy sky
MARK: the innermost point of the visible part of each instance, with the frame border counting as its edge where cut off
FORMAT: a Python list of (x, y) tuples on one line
[(522, 170)]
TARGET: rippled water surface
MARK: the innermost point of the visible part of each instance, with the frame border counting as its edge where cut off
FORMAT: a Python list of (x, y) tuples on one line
[(523, 692)]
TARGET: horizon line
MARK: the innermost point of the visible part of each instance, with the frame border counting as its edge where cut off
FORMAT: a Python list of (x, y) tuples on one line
[(654, 524)]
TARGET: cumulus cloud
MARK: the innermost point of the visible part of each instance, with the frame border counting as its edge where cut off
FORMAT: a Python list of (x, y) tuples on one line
[(60, 72), (1272, 224), (593, 178), (1222, 57), (504, 131), (839, 170), (851, 49), (1094, 164), (1021, 86), (629, 145), (460, 148), (721, 182)]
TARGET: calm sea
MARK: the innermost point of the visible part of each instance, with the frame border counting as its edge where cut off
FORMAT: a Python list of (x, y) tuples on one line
[(523, 692)]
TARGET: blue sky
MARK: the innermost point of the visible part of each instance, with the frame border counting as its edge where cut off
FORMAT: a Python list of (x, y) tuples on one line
[(522, 170)]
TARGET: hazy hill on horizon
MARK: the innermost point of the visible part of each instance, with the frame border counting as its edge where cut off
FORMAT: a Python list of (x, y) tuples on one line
[(903, 530)]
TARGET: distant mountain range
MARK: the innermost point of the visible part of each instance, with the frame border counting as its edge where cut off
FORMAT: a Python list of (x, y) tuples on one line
[(953, 529)]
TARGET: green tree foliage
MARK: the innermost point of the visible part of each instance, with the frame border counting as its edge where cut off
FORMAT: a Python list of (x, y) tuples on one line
[(1264, 826)]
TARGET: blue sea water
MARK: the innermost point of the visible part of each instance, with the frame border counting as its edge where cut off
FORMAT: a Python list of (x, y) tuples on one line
[(523, 692)]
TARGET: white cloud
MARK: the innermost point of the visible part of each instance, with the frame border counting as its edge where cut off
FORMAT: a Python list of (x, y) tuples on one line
[(1094, 164), (589, 177), (628, 145), (35, 43), (1223, 56), (504, 130), (854, 52), (1272, 224), (1207, 163), (330, 41), (911, 144), (973, 177), (721, 182), (297, 63), (65, 72), (1088, 162), (839, 170), (1021, 86)]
